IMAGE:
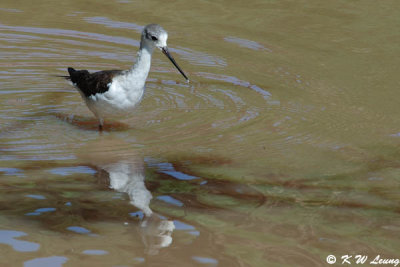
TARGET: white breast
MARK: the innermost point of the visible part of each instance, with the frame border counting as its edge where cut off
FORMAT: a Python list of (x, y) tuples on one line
[(123, 96), (125, 91)]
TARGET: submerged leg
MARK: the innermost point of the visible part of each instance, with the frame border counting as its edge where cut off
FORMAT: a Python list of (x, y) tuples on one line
[(101, 122)]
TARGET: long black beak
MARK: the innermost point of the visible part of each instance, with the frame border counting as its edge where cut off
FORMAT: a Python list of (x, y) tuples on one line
[(166, 52)]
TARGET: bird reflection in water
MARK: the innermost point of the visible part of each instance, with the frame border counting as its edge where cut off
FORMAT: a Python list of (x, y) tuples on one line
[(128, 177), (126, 174)]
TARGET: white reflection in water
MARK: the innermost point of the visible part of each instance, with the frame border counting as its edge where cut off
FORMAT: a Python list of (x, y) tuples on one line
[(156, 233), (126, 174), (128, 177)]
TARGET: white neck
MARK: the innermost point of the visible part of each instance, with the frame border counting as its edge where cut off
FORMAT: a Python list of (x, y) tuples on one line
[(141, 68), (126, 90)]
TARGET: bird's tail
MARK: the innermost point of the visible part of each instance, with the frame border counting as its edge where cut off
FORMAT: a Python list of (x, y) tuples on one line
[(71, 70), (67, 77), (62, 76)]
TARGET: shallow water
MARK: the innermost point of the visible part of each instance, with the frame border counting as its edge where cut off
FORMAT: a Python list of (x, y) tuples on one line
[(282, 150)]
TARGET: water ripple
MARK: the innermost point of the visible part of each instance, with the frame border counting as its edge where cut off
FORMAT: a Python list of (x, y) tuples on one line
[(114, 24), (72, 34), (246, 43), (235, 81), (199, 58)]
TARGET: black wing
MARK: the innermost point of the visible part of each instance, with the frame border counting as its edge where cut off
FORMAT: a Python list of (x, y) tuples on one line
[(92, 83)]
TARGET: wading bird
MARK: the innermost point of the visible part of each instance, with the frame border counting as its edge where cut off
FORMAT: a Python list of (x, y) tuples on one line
[(110, 93)]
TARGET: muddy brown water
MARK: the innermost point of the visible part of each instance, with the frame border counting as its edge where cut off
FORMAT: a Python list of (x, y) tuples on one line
[(282, 150)]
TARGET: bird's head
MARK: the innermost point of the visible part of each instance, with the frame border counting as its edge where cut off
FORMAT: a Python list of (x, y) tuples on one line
[(154, 36)]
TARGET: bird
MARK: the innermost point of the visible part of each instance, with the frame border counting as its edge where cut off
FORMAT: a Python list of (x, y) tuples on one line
[(111, 93)]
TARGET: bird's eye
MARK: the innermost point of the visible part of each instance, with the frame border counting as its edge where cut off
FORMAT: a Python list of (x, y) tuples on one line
[(154, 38)]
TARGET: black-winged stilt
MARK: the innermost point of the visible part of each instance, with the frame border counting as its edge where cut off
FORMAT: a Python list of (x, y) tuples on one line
[(112, 92)]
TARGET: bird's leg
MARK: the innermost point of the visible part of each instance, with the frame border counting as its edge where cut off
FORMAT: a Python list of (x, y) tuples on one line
[(101, 122)]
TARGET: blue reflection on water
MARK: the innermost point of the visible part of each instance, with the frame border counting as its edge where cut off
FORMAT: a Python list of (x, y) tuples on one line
[(36, 196), (45, 210), (32, 213), (7, 237), (78, 229), (11, 171), (40, 211), (168, 168), (186, 227), (170, 200), (64, 171), (139, 259), (183, 226), (53, 261), (205, 260), (94, 252)]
